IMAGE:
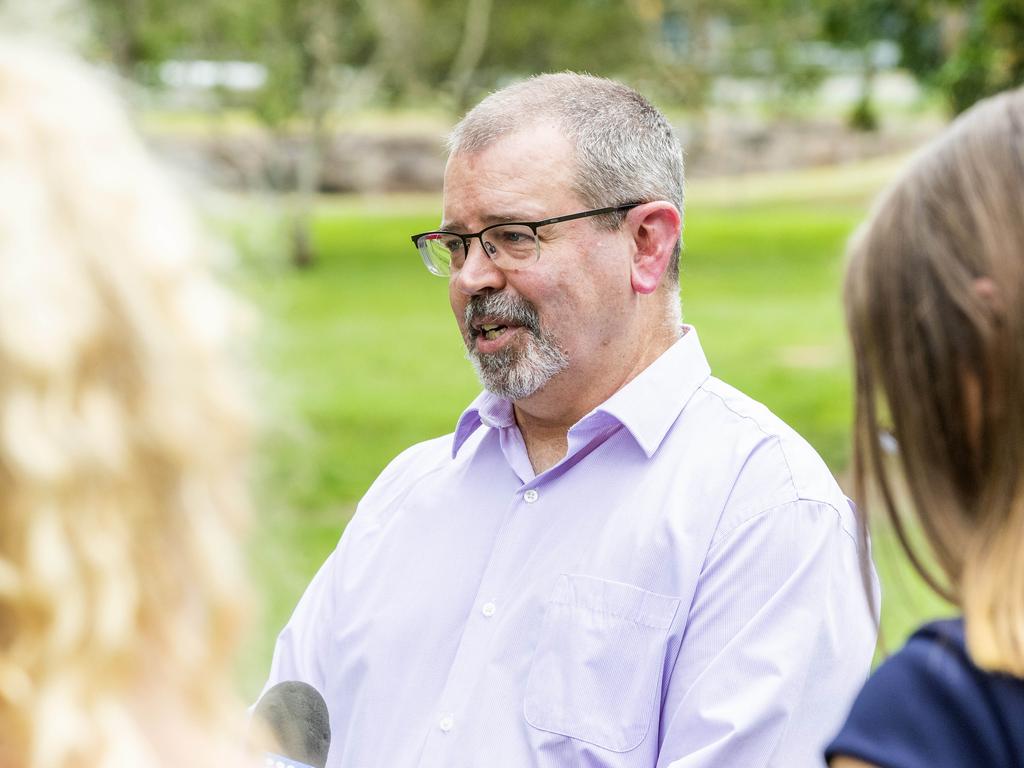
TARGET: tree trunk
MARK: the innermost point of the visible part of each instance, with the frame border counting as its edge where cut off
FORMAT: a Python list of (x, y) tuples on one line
[(396, 22), (318, 97), (474, 43), (864, 117)]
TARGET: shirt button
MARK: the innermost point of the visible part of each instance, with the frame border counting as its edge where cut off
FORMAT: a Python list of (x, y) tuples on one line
[(531, 496), (488, 609), (447, 723)]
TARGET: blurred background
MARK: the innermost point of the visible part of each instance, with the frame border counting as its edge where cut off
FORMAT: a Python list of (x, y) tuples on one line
[(310, 136)]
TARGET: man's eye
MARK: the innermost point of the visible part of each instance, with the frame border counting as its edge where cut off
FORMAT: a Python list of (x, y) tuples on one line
[(514, 236)]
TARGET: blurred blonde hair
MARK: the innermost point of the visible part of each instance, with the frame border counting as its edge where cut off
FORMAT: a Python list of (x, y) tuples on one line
[(934, 307), (122, 439)]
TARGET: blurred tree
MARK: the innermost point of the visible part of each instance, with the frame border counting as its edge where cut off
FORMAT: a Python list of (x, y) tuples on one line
[(772, 41), (139, 35), (400, 30), (984, 50), (315, 37), (967, 50), (297, 42), (858, 27), (685, 48), (603, 37), (136, 32), (301, 45), (697, 42), (471, 50)]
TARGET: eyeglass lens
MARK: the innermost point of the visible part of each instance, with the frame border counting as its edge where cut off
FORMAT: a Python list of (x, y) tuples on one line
[(510, 246)]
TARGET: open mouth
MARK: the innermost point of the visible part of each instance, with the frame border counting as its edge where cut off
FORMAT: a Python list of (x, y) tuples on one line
[(493, 320), (491, 331), (491, 328)]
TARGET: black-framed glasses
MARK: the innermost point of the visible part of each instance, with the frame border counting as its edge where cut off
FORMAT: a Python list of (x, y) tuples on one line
[(513, 245)]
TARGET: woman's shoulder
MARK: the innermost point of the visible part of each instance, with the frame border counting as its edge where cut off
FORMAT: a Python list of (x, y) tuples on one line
[(929, 705)]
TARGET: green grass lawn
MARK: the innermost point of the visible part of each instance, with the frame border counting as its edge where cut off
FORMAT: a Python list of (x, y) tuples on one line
[(359, 356)]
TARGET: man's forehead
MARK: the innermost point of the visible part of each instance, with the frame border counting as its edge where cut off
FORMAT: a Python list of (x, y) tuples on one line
[(515, 178), (543, 131), (454, 223)]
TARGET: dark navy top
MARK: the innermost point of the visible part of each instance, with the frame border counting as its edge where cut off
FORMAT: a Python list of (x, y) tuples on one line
[(928, 706)]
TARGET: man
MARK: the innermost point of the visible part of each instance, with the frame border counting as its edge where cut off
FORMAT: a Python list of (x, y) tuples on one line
[(615, 560)]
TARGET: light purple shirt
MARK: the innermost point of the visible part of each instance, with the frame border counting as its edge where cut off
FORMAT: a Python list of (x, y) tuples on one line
[(681, 590)]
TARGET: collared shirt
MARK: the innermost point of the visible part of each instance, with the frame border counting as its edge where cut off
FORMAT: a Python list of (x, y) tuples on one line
[(682, 589)]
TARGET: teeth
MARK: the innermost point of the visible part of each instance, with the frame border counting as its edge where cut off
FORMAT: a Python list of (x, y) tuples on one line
[(492, 334), (489, 327)]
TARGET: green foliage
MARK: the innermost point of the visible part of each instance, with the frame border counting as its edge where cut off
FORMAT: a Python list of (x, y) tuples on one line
[(410, 49), (988, 57), (280, 99), (597, 36), (916, 26), (695, 41), (137, 35), (966, 50)]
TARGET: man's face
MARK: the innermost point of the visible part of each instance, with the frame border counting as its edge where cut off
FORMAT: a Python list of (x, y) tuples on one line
[(524, 328)]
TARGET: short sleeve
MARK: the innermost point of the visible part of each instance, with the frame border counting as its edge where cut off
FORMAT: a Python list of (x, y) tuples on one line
[(925, 707)]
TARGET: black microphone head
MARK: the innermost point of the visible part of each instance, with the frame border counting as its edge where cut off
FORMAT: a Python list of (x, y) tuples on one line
[(295, 714)]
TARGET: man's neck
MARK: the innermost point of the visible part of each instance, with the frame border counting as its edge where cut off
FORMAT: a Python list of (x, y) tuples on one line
[(546, 442), (544, 419)]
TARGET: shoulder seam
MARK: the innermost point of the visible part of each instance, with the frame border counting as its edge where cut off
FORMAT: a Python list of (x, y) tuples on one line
[(775, 437), (762, 512)]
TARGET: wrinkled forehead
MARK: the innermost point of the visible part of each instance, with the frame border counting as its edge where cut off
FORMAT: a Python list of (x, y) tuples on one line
[(523, 174), (539, 143)]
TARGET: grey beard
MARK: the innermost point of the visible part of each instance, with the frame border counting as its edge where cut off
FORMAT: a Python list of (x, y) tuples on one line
[(513, 374)]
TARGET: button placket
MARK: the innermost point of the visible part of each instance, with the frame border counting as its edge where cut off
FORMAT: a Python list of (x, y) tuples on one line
[(472, 653)]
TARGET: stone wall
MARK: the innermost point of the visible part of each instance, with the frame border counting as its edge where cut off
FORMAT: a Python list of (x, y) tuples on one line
[(383, 163)]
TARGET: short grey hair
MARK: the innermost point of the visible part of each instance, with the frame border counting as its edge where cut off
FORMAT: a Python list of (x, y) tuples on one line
[(626, 150)]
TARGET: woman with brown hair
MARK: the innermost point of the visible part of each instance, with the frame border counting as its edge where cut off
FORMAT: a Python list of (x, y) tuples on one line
[(935, 308), (122, 445)]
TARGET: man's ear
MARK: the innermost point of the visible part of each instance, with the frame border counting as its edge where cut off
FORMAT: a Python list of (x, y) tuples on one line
[(655, 228)]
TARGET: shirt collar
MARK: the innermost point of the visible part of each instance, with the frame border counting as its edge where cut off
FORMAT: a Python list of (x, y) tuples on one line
[(650, 404), (487, 409), (647, 406)]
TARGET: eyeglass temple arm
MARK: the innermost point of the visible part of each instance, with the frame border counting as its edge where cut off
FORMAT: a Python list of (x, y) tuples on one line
[(598, 212)]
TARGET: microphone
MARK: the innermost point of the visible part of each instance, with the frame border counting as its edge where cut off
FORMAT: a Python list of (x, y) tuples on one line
[(294, 716)]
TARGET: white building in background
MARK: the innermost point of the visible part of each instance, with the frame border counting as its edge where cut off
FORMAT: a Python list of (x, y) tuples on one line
[(202, 75)]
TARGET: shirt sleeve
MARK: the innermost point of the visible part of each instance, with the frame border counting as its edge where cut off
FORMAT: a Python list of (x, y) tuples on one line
[(778, 641), (301, 644)]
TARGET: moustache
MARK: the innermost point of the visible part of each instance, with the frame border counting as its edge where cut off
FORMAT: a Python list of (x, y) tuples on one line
[(502, 308)]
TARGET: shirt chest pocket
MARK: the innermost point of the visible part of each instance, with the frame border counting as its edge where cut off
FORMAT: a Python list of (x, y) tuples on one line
[(596, 671)]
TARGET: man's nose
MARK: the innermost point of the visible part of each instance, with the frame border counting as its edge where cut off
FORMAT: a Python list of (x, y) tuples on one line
[(479, 273)]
